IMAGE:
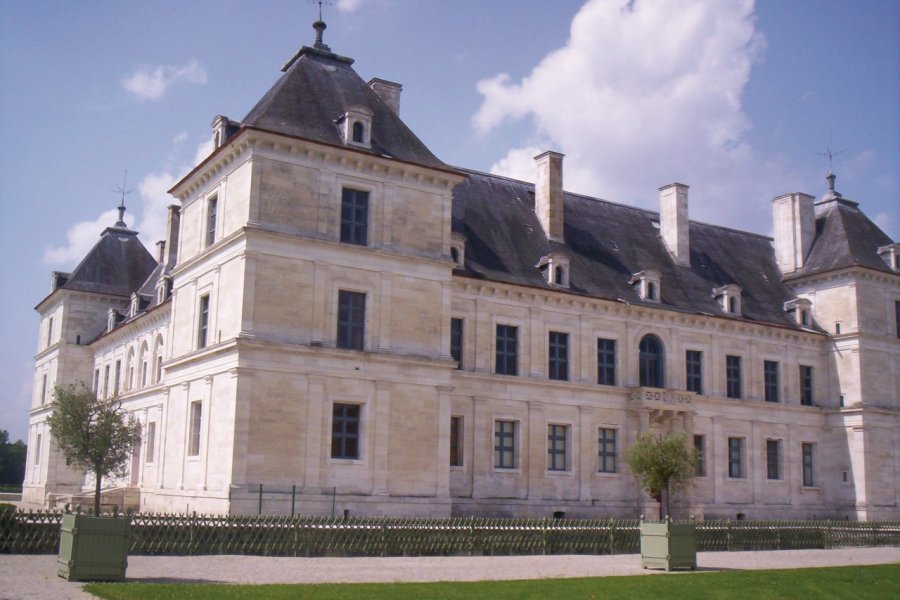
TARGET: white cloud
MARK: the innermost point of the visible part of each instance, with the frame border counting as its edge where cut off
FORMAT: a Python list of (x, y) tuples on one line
[(152, 83), (349, 6), (645, 93), (80, 238)]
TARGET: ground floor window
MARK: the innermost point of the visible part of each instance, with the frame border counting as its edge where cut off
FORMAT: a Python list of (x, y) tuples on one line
[(606, 442), (556, 447), (456, 453), (505, 444), (736, 458), (345, 431), (809, 476)]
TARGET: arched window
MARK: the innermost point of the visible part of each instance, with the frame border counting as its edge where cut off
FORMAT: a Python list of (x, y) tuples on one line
[(144, 359), (732, 305), (358, 132), (559, 277), (652, 362), (651, 291), (129, 370), (157, 359)]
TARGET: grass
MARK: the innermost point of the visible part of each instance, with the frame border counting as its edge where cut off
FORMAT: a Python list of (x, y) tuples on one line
[(877, 582)]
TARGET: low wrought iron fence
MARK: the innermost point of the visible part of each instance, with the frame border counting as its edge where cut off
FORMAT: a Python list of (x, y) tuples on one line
[(38, 532)]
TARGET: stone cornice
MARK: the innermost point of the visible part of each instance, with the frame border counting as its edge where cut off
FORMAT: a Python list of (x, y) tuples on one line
[(857, 272)]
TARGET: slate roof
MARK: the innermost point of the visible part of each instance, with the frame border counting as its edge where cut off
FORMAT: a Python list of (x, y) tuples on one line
[(845, 237), (316, 90), (607, 243), (118, 265)]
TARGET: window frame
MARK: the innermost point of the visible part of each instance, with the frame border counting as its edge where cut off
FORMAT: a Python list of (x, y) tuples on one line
[(506, 354), (606, 361), (807, 383), (457, 456), (607, 460), (345, 437), (195, 430), (558, 447), (735, 457), (203, 310), (693, 371), (354, 216), (558, 356), (457, 339), (773, 460), (351, 320), (734, 377), (651, 365), (808, 464), (506, 444), (771, 381), (212, 215)]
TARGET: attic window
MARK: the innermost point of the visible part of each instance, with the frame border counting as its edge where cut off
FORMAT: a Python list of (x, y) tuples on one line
[(801, 308), (555, 267), (729, 298), (648, 285), (890, 254), (356, 126), (458, 250), (135, 306)]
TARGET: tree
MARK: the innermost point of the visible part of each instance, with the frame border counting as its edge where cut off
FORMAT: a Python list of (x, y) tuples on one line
[(94, 434), (12, 460), (662, 464)]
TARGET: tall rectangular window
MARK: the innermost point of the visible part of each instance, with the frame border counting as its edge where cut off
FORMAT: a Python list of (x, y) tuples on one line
[(151, 442), (456, 450), (196, 423), (606, 443), (43, 388), (507, 351), (556, 447), (693, 371), (770, 380), (144, 372), (212, 208), (897, 316), (456, 341), (558, 352), (733, 376), (202, 331), (736, 458), (806, 385), (505, 444), (49, 331), (351, 320), (37, 451), (117, 378), (97, 381), (809, 457), (158, 368), (106, 381), (345, 431), (773, 459), (700, 447), (606, 361), (354, 217)]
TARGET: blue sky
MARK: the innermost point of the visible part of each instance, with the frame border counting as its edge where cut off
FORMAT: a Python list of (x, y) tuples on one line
[(735, 99)]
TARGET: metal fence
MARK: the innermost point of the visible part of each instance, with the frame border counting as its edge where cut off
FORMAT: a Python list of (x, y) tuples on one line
[(38, 532)]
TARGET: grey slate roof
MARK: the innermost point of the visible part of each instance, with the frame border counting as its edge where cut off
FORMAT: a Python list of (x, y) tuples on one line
[(607, 243), (845, 237), (118, 265), (316, 89)]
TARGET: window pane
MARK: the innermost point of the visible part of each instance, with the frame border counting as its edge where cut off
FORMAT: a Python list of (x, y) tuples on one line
[(351, 320), (733, 376), (808, 466), (773, 459), (506, 359), (456, 341), (202, 331), (693, 361), (354, 217), (651, 362), (559, 356), (456, 456), (345, 431), (606, 362), (504, 444), (770, 377), (556, 447), (806, 385), (212, 208), (607, 450), (735, 457)]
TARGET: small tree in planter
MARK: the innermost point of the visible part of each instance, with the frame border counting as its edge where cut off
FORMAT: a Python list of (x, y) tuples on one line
[(93, 433), (662, 464)]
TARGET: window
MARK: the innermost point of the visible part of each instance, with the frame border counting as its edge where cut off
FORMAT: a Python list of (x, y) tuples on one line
[(358, 132), (700, 448), (351, 320), (809, 455), (456, 432), (43, 388), (606, 362), (736, 458), (345, 431), (652, 293), (648, 282), (37, 451), (117, 377), (196, 421), (354, 217), (770, 380), (606, 443), (151, 442), (158, 368), (507, 352), (773, 459), (693, 367), (806, 385), (144, 373), (556, 447), (897, 317), (733, 376), (651, 365), (837, 328), (202, 330), (559, 356), (456, 341), (49, 331), (505, 444), (212, 207), (559, 275), (106, 381), (96, 381)]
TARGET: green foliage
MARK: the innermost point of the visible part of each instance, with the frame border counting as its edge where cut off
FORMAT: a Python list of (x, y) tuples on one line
[(94, 434), (662, 464), (12, 460), (863, 582)]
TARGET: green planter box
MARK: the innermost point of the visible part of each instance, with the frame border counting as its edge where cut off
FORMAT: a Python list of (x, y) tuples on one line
[(93, 548), (667, 545)]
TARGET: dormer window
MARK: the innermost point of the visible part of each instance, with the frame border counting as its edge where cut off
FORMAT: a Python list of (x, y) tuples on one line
[(555, 267), (890, 254), (801, 308), (356, 126), (648, 285), (135, 305), (729, 298), (163, 289), (112, 319), (458, 250)]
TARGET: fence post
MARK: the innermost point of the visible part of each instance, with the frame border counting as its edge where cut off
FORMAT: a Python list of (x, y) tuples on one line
[(612, 536), (471, 534), (259, 504), (293, 497)]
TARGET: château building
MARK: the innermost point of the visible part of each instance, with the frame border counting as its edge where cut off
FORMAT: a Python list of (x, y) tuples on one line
[(338, 313)]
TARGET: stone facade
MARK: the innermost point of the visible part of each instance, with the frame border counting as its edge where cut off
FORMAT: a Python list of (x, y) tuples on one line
[(446, 390)]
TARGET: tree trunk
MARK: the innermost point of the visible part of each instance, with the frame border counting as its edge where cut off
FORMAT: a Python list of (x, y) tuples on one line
[(97, 481), (667, 498)]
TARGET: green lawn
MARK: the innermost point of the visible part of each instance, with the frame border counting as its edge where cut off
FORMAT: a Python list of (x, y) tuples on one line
[(877, 582)]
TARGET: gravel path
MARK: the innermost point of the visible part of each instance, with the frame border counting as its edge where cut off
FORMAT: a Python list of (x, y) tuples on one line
[(29, 577)]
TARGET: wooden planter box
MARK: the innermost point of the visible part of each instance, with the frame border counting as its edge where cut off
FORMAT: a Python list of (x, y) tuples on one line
[(667, 545), (93, 548)]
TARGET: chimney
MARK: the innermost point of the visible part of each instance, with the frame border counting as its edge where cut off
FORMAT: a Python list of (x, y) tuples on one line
[(388, 91), (171, 243), (161, 251), (673, 222), (794, 226), (548, 194)]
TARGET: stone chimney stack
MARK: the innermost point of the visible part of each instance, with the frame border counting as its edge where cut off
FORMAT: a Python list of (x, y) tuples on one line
[(548, 194), (171, 243), (673, 222), (388, 91), (794, 226)]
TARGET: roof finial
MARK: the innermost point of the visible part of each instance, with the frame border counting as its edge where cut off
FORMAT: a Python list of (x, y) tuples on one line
[(831, 176), (320, 27), (121, 207)]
